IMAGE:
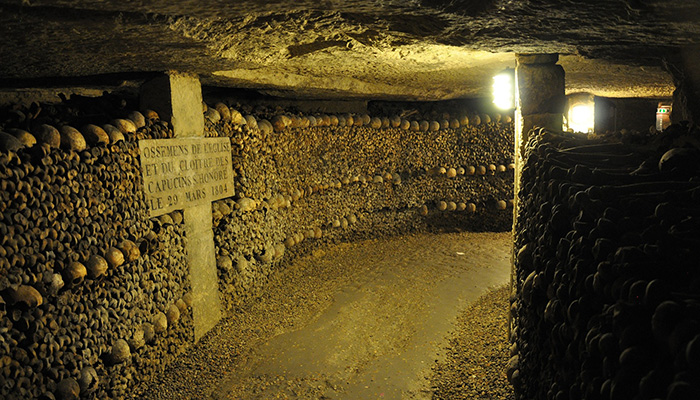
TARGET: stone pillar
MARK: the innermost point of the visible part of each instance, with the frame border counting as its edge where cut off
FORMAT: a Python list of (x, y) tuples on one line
[(540, 100), (206, 305), (177, 98)]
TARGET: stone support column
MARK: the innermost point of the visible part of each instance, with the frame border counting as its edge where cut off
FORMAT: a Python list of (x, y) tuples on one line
[(540, 101), (177, 98)]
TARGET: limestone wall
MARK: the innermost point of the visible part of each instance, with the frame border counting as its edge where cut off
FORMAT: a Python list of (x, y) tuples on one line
[(76, 320)]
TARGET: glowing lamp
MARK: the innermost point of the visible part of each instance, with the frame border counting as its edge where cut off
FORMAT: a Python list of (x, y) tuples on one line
[(504, 90), (580, 116)]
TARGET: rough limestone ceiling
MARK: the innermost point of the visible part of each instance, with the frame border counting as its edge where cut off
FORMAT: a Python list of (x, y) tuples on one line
[(416, 49)]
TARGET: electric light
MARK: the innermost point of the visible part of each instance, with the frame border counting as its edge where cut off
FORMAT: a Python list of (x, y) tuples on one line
[(582, 118), (504, 90)]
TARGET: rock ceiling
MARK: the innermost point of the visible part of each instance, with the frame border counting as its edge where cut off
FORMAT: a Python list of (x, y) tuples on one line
[(384, 49)]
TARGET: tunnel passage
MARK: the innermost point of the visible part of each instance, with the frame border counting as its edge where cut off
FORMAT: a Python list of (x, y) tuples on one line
[(75, 316), (326, 178), (96, 296)]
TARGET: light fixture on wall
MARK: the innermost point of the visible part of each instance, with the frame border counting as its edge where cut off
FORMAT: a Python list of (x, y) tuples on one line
[(580, 116), (504, 89)]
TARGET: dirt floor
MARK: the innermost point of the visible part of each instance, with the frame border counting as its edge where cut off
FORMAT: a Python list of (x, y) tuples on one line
[(377, 319)]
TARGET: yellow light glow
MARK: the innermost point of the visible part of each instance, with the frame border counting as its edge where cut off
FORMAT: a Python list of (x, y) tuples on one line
[(503, 91), (582, 118)]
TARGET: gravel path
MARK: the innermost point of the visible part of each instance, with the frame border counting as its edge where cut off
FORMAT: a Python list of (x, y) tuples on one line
[(356, 321), (477, 354)]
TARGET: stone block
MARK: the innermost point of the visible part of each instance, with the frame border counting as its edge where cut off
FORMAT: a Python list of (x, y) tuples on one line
[(206, 304), (541, 89)]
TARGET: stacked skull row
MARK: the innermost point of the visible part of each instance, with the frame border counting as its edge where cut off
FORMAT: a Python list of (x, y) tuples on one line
[(301, 180), (221, 111), (93, 294)]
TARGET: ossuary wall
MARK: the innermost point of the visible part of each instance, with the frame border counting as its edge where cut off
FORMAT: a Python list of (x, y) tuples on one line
[(95, 295), (607, 290), (307, 180)]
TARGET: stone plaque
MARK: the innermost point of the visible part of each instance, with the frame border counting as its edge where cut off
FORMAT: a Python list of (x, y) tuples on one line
[(178, 173)]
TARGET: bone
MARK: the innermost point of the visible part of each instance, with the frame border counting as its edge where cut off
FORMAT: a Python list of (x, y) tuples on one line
[(160, 323), (74, 274), (68, 389), (26, 295), (114, 257), (115, 135), (89, 380), (9, 143), (48, 134), (212, 115), (150, 114), (94, 134), (223, 110), (124, 125), (137, 118), (26, 138), (120, 352)]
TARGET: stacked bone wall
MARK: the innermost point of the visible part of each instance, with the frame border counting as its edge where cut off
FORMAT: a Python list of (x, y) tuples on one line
[(92, 290), (607, 302), (301, 182), (77, 321)]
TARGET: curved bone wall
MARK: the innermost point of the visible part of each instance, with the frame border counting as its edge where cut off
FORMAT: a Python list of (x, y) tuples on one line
[(302, 181), (95, 296)]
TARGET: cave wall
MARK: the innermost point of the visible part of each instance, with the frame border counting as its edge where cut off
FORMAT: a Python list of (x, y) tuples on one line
[(95, 296), (607, 289)]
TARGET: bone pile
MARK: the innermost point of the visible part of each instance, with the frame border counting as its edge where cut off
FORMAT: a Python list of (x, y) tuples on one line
[(95, 295), (607, 294)]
